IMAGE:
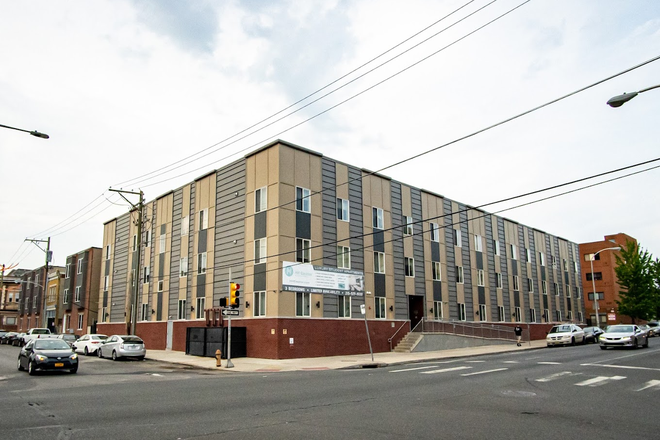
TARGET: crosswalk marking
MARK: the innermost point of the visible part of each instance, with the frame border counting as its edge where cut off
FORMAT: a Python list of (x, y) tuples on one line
[(599, 380), (510, 362), (548, 363), (624, 367), (444, 370), (475, 362), (650, 384), (414, 369), (484, 372), (554, 376)]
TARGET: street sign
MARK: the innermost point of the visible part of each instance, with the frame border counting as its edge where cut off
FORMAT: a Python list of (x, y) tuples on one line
[(230, 312)]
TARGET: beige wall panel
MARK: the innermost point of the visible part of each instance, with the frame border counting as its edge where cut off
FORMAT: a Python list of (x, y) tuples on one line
[(406, 200), (302, 169), (286, 169), (262, 177), (287, 304), (343, 232), (366, 198), (341, 177), (287, 222)]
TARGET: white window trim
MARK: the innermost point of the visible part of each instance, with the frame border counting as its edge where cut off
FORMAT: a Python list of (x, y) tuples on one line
[(343, 209), (261, 199), (436, 270), (201, 262), (377, 218), (460, 279), (408, 227), (303, 250), (260, 250), (478, 243), (409, 267), (343, 257), (435, 232), (304, 200)]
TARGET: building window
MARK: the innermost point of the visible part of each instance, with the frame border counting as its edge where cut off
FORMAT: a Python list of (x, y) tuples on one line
[(459, 274), (106, 282), (514, 252), (482, 313), (303, 303), (498, 280), (597, 276), (435, 232), (496, 244), (589, 257), (410, 266), (107, 252), (569, 315), (147, 238), (185, 226), (134, 243), (578, 292), (302, 200), (77, 297), (379, 262), (183, 267), (580, 317), (408, 225), (344, 306), (565, 263), (568, 291), (462, 316), (438, 310), (160, 286), (546, 315), (80, 264), (528, 255), (517, 314), (261, 199), (380, 307), (575, 266), (343, 257), (81, 317), (303, 250), (458, 240), (601, 296), (501, 317), (199, 309), (203, 219), (201, 263), (544, 287), (377, 218), (181, 309), (532, 315), (542, 258), (530, 285), (145, 312), (558, 315), (437, 273), (555, 286), (516, 285), (162, 243), (342, 209), (478, 246), (65, 297), (68, 271), (554, 261), (260, 251), (259, 304), (480, 278), (145, 274)]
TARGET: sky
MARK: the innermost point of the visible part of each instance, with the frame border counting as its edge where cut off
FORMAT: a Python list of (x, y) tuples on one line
[(150, 94)]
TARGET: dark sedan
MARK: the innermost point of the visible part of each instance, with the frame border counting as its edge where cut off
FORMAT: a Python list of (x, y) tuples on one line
[(47, 354), (591, 334), (8, 338)]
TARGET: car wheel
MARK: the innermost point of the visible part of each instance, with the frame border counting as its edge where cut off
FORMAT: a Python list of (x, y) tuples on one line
[(572, 341), (114, 355), (635, 344), (20, 367), (74, 370), (98, 352), (32, 370), (86, 351)]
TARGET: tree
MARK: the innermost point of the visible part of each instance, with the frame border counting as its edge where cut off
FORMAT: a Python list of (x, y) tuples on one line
[(637, 274)]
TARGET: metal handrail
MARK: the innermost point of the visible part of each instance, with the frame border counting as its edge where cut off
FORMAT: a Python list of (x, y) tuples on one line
[(483, 330), (392, 337)]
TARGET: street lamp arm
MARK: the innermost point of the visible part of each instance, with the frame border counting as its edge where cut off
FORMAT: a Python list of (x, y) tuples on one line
[(33, 132), (619, 100)]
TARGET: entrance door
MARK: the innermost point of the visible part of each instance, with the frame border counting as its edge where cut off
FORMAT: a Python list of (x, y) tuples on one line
[(415, 309)]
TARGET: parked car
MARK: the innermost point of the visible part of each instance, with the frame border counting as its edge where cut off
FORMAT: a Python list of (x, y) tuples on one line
[(88, 344), (624, 335), (2, 333), (35, 333), (565, 334), (118, 346), (8, 337), (591, 334), (68, 338), (645, 328), (18, 339), (47, 354), (655, 328)]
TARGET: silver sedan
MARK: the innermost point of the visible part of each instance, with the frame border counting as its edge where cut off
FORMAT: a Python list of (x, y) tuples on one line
[(118, 346), (624, 335)]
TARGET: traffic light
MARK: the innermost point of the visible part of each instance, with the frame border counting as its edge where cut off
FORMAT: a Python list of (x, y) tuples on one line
[(234, 293)]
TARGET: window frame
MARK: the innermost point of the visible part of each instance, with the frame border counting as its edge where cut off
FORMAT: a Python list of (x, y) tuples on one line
[(377, 218), (379, 262), (343, 257), (259, 299), (200, 305), (303, 200), (481, 278), (409, 264), (303, 304), (183, 267), (460, 278), (261, 199), (407, 225), (303, 250), (435, 232), (478, 243), (202, 263), (343, 209), (462, 313), (343, 306), (436, 270), (181, 309), (260, 247), (380, 307)]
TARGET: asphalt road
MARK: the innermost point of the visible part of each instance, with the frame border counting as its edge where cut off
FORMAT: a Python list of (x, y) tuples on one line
[(572, 392)]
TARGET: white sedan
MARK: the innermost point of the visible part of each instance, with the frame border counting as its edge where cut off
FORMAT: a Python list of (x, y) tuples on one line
[(89, 343), (565, 334), (119, 346)]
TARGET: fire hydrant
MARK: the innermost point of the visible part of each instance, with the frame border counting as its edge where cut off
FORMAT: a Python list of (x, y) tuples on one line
[(218, 357)]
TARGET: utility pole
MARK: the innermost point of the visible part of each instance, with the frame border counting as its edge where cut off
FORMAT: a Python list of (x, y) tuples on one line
[(136, 278), (44, 286)]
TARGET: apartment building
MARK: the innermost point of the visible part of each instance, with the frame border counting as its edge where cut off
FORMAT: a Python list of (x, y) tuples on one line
[(78, 309), (31, 307), (604, 278), (10, 293), (314, 242)]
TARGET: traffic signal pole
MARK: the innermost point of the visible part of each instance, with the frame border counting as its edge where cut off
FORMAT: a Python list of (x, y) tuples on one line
[(229, 363)]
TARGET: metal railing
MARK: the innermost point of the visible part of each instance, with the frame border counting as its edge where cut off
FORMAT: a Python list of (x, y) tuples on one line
[(475, 329), (392, 337)]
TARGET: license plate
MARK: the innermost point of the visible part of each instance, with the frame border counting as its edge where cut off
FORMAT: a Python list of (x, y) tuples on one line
[(59, 364)]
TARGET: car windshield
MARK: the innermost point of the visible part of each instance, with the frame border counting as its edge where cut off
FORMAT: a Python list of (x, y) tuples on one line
[(99, 338), (132, 340), (560, 329), (40, 331), (51, 344), (620, 329)]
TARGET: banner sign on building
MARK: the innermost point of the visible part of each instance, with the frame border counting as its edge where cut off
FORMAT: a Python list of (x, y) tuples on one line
[(299, 277)]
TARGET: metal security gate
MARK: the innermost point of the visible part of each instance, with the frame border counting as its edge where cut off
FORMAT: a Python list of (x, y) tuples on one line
[(204, 341)]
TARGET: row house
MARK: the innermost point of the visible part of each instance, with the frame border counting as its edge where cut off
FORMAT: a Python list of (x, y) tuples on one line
[(31, 306), (314, 243), (10, 293), (78, 309)]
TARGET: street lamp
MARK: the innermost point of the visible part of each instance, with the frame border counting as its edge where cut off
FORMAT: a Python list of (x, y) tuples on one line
[(33, 132), (619, 100), (593, 279)]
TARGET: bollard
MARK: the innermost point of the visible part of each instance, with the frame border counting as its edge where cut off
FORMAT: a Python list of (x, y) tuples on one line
[(218, 357)]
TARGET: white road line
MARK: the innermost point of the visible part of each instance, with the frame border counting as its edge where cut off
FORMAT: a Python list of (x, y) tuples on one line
[(483, 372), (475, 362), (414, 369), (548, 363), (554, 376), (650, 384), (444, 370), (625, 367), (510, 362), (600, 380)]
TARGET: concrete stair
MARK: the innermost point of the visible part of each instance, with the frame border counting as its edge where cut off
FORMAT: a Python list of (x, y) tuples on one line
[(408, 343)]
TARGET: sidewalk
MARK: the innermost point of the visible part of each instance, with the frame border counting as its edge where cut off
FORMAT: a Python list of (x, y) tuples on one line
[(243, 365)]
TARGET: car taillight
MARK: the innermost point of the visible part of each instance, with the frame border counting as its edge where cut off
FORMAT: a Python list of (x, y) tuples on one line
[(96, 342)]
